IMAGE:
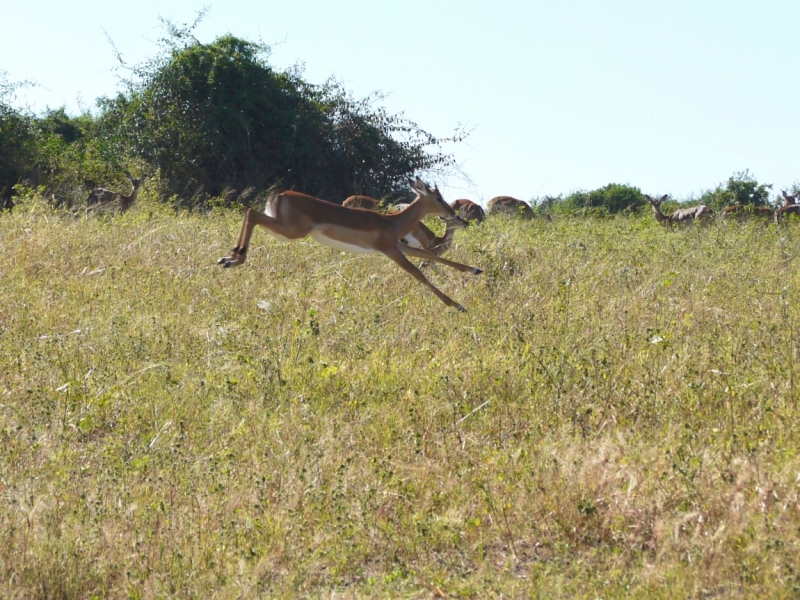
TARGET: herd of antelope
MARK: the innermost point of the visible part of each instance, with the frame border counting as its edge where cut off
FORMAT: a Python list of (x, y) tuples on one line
[(703, 214), (360, 225)]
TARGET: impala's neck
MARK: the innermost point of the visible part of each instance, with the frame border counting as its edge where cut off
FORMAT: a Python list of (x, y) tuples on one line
[(660, 217), (127, 201), (407, 220), (449, 233)]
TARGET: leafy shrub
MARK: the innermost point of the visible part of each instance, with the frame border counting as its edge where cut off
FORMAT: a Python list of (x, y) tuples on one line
[(611, 199), (741, 188), (72, 157), (216, 116), (16, 137)]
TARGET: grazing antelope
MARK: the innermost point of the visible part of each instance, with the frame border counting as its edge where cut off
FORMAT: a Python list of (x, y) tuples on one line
[(103, 197), (396, 208), (743, 211), (364, 202), (293, 216), (683, 216), (511, 206), (468, 210), (424, 238), (790, 206)]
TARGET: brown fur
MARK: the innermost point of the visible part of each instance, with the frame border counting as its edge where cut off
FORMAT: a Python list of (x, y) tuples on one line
[(364, 202), (684, 216), (790, 206), (468, 210), (510, 206), (103, 197), (423, 237), (742, 212)]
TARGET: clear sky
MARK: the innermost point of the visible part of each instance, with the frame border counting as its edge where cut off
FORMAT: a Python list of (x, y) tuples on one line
[(672, 96)]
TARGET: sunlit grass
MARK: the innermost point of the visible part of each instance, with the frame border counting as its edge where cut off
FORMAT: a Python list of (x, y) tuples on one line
[(615, 415)]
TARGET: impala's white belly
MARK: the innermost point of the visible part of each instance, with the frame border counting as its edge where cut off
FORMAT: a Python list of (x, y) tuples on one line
[(279, 236), (323, 239), (413, 241)]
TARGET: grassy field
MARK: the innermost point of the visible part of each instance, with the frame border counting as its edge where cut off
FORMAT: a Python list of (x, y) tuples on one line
[(615, 415)]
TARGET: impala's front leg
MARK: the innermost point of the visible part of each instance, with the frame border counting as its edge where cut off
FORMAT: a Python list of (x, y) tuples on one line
[(239, 253), (397, 256), (420, 253)]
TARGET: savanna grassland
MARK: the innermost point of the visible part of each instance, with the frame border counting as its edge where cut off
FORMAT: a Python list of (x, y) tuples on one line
[(615, 415)]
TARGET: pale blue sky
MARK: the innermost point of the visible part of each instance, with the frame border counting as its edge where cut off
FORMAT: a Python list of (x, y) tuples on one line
[(670, 96)]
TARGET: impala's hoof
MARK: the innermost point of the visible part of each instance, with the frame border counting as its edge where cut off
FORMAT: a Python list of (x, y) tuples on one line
[(222, 260), (477, 271), (460, 308)]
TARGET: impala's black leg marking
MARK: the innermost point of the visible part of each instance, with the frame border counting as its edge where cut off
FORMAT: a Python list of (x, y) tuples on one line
[(234, 259)]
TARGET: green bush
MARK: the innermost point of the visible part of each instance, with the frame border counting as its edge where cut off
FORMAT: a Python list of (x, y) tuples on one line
[(741, 188), (73, 158), (16, 142), (611, 199), (215, 117)]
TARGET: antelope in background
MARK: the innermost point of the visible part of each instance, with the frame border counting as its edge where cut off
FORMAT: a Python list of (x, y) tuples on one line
[(103, 197), (790, 206), (683, 216), (468, 210), (364, 202), (424, 238), (742, 211), (510, 206)]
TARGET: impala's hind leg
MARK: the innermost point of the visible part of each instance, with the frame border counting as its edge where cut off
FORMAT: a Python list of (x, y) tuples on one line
[(409, 268), (419, 253), (286, 225)]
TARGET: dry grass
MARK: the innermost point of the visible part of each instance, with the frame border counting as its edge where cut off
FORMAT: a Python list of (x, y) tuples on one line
[(615, 416)]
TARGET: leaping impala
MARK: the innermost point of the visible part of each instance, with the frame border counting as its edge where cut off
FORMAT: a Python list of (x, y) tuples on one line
[(293, 216), (684, 216), (420, 236)]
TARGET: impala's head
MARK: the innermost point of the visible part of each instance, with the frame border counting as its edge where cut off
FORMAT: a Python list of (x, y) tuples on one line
[(135, 181), (656, 202), (790, 199), (432, 200)]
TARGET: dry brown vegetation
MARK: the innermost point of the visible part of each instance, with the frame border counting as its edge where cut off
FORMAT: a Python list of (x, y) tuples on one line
[(615, 416)]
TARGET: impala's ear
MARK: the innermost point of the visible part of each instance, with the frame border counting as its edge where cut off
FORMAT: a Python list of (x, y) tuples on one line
[(664, 197), (649, 199), (785, 195)]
